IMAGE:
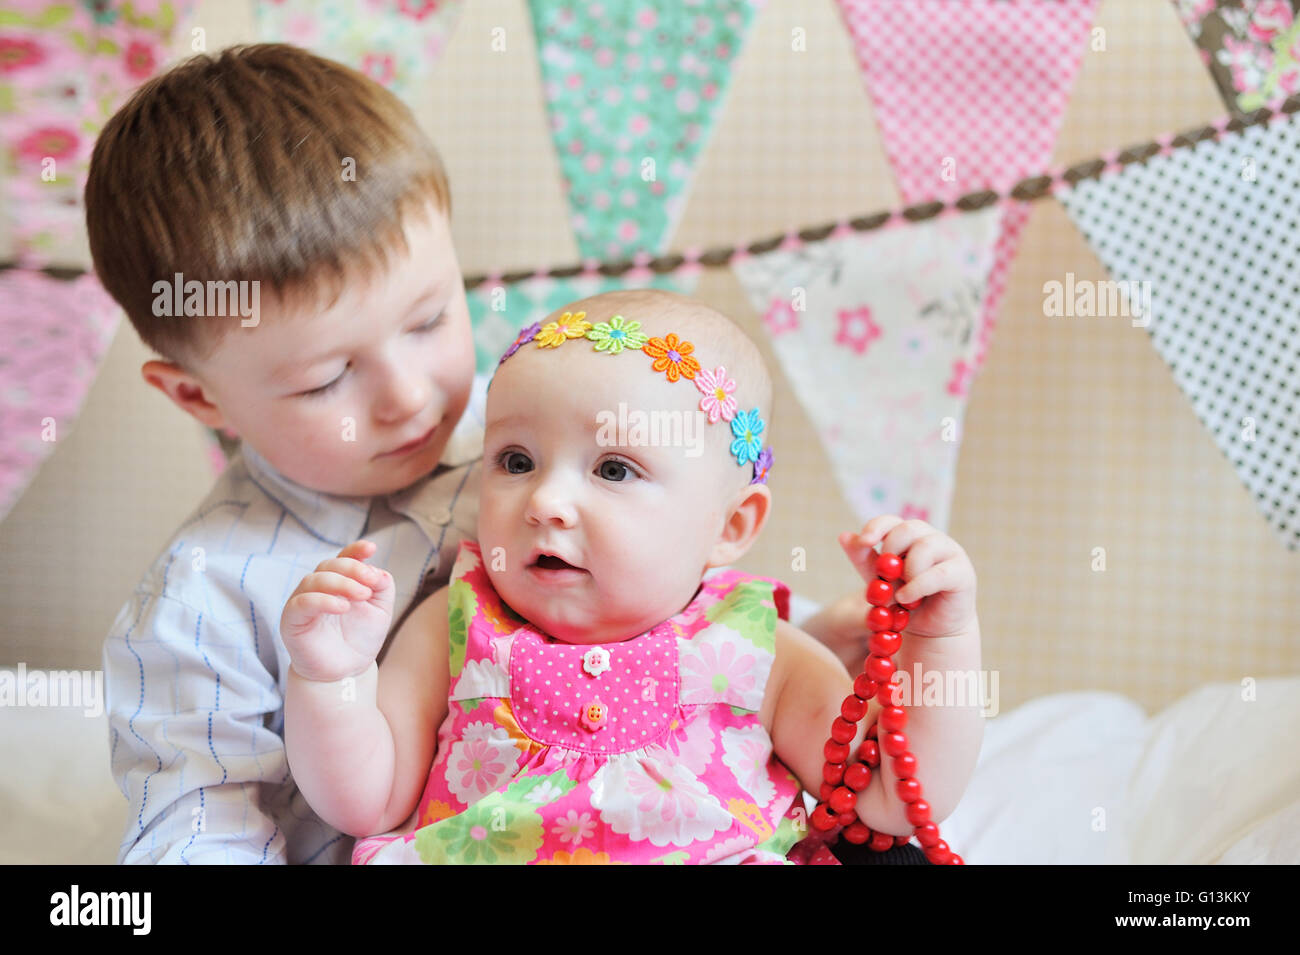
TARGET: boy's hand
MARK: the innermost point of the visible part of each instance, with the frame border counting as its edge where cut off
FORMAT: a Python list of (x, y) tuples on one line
[(335, 623), (934, 567)]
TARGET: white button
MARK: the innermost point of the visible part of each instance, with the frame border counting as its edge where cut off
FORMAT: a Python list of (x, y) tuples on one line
[(596, 661)]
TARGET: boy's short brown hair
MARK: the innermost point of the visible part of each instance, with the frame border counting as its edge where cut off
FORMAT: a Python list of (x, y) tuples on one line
[(235, 166)]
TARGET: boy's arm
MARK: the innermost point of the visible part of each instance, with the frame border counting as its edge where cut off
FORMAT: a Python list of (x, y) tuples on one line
[(810, 686), (361, 748), (188, 701)]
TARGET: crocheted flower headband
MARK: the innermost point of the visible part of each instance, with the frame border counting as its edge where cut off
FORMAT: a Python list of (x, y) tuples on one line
[(674, 359)]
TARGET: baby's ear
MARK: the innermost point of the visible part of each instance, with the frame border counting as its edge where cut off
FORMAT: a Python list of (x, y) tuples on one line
[(184, 390), (748, 513)]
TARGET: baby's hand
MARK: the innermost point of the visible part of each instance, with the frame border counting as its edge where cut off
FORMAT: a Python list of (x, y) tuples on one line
[(335, 623), (934, 567)]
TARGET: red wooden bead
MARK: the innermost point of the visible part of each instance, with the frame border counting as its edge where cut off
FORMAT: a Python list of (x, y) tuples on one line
[(918, 813), (857, 776), (835, 752), (927, 834), (902, 840), (824, 794), (871, 731), (898, 620), (891, 694), (881, 842), (912, 605), (847, 818), (857, 833), (909, 790), (893, 718), (938, 853), (880, 668), (833, 773), (853, 709), (893, 743), (822, 819), (843, 800), (884, 643), (880, 593), (956, 860), (880, 618), (889, 566), (864, 686), (842, 731), (869, 752), (904, 766)]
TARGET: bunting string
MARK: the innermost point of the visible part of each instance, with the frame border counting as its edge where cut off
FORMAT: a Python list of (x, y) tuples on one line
[(1029, 189)]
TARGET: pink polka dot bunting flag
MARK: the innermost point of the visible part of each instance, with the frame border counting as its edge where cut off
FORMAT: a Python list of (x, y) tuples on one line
[(969, 95)]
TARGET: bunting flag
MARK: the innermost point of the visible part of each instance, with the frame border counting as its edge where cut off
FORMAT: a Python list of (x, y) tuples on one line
[(1212, 231), (876, 334), (632, 91), (1251, 47), (498, 311), (55, 334), (394, 43), (64, 69), (969, 96)]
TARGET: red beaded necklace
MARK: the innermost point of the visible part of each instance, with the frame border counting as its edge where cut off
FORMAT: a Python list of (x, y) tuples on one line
[(843, 781)]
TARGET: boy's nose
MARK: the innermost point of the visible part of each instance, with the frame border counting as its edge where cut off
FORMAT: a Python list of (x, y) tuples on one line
[(404, 397)]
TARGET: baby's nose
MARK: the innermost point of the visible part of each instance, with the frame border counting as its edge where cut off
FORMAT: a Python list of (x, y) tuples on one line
[(553, 502)]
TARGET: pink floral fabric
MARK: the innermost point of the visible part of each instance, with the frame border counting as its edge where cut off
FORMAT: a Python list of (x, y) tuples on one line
[(64, 69), (394, 42), (1251, 47), (646, 751)]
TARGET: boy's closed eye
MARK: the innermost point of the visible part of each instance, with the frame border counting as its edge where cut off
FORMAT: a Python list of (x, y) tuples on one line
[(426, 328)]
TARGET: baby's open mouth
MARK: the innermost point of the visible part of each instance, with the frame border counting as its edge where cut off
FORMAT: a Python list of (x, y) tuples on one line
[(549, 562)]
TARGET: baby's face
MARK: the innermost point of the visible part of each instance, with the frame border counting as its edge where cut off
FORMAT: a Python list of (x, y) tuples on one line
[(591, 534), (333, 398)]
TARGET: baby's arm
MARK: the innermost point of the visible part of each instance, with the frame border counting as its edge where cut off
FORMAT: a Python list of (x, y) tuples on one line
[(360, 750), (808, 685)]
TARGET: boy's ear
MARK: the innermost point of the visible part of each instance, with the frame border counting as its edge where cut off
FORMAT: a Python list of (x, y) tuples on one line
[(185, 391), (749, 510)]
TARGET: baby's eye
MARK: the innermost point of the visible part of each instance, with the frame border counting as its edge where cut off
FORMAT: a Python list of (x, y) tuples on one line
[(515, 462), (615, 470)]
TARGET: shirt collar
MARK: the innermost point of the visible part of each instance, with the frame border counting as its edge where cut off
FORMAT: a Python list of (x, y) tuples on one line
[(334, 518)]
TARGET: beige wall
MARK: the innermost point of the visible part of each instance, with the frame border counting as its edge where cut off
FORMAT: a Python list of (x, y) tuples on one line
[(1076, 436)]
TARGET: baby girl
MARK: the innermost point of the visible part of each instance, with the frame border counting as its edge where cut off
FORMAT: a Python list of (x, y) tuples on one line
[(585, 690)]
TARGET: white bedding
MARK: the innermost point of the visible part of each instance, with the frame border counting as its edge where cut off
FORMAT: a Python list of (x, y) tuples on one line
[(1212, 778)]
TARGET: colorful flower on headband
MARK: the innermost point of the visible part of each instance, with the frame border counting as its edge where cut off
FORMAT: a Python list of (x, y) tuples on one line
[(555, 334), (616, 334), (762, 466), (522, 337), (672, 356), (717, 388), (746, 426)]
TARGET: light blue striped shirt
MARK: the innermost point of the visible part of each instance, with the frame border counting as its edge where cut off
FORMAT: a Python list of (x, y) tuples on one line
[(195, 668)]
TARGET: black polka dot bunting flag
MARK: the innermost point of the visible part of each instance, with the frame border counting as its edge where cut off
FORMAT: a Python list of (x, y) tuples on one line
[(1211, 233)]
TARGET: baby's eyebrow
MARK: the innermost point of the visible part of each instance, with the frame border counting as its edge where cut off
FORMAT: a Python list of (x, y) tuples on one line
[(301, 364)]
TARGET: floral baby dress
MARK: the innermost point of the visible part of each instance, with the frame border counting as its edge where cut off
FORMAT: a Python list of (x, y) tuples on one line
[(645, 751)]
